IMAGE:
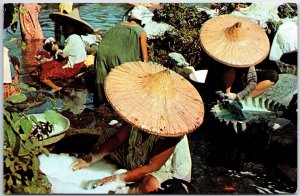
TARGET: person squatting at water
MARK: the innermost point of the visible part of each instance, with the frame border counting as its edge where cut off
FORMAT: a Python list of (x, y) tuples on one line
[(236, 37), (149, 159), (153, 148), (125, 42), (247, 82), (73, 54), (51, 51)]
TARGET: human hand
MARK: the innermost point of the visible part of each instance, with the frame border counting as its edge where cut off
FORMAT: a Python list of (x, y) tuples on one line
[(113, 178), (231, 96), (80, 164)]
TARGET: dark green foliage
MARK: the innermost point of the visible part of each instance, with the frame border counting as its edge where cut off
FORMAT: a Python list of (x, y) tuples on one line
[(287, 10), (11, 16), (183, 39), (224, 8), (21, 150)]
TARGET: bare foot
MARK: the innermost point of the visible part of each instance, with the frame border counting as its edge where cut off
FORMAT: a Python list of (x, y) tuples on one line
[(56, 89)]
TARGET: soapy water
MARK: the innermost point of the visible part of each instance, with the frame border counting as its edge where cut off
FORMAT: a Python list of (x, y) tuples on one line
[(64, 180)]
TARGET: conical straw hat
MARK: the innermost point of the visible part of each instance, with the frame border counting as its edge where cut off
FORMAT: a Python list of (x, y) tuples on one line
[(235, 41), (72, 18), (154, 99)]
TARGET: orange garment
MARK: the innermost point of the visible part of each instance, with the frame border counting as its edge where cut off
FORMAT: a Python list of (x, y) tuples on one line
[(9, 89), (29, 20)]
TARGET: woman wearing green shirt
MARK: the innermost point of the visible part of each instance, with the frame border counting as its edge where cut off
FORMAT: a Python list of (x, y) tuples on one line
[(125, 42)]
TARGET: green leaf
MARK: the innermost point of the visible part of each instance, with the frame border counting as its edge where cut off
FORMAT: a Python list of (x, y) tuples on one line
[(22, 86), (23, 152), (35, 168), (24, 167), (8, 162), (35, 163), (33, 118), (52, 116), (12, 168), (10, 136), (45, 151), (23, 45), (15, 116), (26, 126), (28, 145), (16, 98), (35, 141), (10, 181), (14, 39), (18, 176), (32, 89)]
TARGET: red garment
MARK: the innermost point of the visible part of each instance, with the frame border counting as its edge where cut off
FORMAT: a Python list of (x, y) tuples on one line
[(29, 20), (9, 89), (53, 70)]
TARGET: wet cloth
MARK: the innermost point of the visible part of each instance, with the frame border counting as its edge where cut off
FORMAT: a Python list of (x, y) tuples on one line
[(285, 40), (120, 44), (137, 152), (29, 20)]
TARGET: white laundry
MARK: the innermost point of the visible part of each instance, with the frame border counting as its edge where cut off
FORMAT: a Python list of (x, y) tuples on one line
[(260, 12), (65, 181), (178, 58), (155, 29), (285, 40)]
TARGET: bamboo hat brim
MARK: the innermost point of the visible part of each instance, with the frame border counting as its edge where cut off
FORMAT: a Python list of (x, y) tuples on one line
[(234, 41), (72, 18), (154, 99)]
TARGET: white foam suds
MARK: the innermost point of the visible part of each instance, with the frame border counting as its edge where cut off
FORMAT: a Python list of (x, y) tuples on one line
[(65, 181), (252, 108)]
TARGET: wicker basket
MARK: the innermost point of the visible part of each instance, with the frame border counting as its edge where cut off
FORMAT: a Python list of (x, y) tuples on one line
[(59, 129)]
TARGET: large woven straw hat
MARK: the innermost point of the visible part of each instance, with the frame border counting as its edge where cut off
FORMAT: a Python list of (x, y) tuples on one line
[(72, 18), (234, 41), (154, 99)]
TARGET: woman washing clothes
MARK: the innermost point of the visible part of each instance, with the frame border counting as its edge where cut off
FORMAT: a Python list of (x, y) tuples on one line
[(73, 54), (125, 42), (237, 45), (154, 147)]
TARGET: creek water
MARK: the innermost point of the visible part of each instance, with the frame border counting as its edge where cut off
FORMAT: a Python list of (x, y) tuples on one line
[(210, 169), (99, 15)]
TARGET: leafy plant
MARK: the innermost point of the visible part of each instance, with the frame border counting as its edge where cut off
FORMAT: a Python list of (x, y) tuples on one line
[(183, 39), (21, 150), (287, 10)]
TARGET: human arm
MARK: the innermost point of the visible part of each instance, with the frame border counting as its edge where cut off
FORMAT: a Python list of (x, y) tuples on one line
[(107, 147), (70, 46), (251, 83), (143, 43), (154, 164)]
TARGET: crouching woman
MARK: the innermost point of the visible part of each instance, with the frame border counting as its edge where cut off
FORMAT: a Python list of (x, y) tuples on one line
[(73, 54), (149, 159)]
